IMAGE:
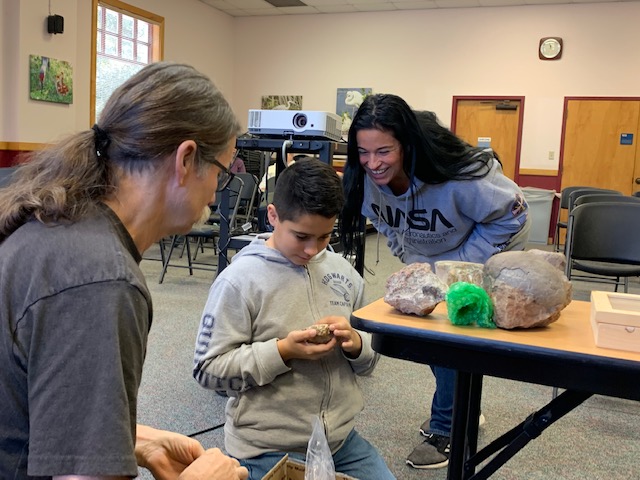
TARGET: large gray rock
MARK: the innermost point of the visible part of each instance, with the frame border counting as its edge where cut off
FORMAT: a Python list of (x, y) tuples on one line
[(415, 289), (527, 289), (556, 259)]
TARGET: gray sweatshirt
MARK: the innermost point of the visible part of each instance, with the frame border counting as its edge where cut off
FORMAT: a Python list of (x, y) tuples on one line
[(464, 220), (258, 299)]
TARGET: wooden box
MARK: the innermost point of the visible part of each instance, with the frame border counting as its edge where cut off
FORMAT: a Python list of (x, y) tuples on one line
[(615, 319), (287, 469)]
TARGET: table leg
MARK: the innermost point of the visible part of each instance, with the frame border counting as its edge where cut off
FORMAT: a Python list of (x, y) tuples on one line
[(475, 397), (466, 386), (506, 446)]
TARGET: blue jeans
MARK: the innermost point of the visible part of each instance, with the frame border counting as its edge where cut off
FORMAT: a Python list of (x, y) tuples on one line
[(442, 403), (357, 458)]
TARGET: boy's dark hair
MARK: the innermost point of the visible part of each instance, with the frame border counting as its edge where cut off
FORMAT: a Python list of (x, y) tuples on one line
[(308, 186)]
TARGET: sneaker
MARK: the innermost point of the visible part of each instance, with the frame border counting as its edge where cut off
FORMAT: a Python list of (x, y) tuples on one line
[(424, 428), (432, 453)]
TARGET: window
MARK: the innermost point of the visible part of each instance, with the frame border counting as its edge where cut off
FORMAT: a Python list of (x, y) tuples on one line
[(126, 39)]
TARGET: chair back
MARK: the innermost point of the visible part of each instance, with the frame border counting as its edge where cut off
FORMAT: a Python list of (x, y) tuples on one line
[(564, 195), (248, 194), (604, 232), (604, 197), (233, 191), (588, 191)]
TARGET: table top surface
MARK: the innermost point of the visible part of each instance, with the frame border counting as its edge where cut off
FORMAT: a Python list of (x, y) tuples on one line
[(572, 332)]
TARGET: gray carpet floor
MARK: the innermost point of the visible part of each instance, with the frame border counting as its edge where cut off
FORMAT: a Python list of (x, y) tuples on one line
[(598, 440)]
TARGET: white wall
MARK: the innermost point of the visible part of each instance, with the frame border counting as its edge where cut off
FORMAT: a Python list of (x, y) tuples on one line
[(429, 56), (426, 56)]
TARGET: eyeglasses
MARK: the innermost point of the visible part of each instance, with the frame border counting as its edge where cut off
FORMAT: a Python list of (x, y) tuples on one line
[(224, 175)]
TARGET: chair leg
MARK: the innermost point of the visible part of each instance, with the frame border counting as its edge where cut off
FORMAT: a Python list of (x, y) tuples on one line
[(162, 255), (186, 240), (199, 247), (165, 263)]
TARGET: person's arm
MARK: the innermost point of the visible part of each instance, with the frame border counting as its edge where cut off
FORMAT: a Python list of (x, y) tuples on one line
[(227, 356), (500, 213)]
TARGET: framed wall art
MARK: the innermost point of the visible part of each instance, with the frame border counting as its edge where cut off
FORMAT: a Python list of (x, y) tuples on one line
[(50, 80)]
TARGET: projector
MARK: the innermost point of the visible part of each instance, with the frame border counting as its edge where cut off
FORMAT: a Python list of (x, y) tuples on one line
[(295, 123)]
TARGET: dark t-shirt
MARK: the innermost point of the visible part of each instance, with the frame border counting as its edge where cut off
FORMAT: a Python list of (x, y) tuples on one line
[(75, 313)]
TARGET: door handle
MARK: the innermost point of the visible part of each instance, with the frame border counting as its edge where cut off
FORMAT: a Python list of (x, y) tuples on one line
[(638, 181)]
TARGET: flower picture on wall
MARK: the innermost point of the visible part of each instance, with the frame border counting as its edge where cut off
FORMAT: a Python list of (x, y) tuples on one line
[(50, 80), (347, 102), (282, 102)]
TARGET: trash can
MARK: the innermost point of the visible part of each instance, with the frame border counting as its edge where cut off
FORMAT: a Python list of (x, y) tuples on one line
[(540, 203)]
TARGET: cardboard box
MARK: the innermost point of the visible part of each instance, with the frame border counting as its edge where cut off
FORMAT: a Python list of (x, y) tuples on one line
[(615, 320), (287, 469)]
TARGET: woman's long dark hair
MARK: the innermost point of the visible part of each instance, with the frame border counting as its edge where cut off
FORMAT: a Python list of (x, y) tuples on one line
[(431, 152)]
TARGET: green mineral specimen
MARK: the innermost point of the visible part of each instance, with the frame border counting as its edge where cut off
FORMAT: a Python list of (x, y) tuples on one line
[(468, 303)]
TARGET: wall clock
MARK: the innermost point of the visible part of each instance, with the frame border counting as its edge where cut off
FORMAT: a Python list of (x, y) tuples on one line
[(550, 48)]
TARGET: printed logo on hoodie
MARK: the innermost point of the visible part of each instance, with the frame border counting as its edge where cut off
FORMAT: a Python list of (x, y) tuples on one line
[(341, 286), (418, 219)]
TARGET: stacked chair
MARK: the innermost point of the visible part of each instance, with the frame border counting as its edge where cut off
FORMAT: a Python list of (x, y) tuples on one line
[(210, 231), (567, 196)]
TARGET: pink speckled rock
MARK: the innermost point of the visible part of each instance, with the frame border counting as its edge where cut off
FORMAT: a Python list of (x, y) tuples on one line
[(415, 289), (527, 290)]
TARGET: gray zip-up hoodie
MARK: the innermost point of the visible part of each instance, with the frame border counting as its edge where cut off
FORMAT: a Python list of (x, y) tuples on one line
[(463, 220), (258, 299)]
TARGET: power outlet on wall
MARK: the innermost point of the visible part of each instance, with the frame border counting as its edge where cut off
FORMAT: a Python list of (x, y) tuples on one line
[(552, 155)]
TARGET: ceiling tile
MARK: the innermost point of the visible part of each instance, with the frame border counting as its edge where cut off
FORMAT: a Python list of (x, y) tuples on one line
[(262, 7)]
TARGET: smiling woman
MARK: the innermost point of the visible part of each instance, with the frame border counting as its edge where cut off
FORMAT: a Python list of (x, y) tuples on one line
[(434, 197)]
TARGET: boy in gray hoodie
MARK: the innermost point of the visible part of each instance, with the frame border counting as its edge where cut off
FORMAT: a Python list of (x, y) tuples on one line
[(253, 342)]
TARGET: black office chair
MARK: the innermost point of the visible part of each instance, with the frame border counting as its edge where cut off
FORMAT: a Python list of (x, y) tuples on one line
[(572, 193), (564, 205), (602, 242)]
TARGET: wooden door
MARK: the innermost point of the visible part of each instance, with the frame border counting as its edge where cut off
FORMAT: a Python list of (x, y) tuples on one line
[(594, 151), (497, 119)]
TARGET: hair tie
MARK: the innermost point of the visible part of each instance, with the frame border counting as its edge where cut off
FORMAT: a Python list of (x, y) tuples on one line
[(102, 141)]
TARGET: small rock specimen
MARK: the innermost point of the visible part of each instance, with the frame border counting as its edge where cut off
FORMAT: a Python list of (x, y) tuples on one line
[(323, 334), (450, 271), (415, 289), (526, 288)]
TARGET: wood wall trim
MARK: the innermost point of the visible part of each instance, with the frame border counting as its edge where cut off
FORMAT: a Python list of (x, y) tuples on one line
[(22, 146), (541, 173)]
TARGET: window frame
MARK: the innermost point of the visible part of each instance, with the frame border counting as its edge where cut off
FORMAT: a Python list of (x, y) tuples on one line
[(156, 34)]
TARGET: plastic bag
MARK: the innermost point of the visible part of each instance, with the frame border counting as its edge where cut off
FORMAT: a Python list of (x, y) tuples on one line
[(319, 465)]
